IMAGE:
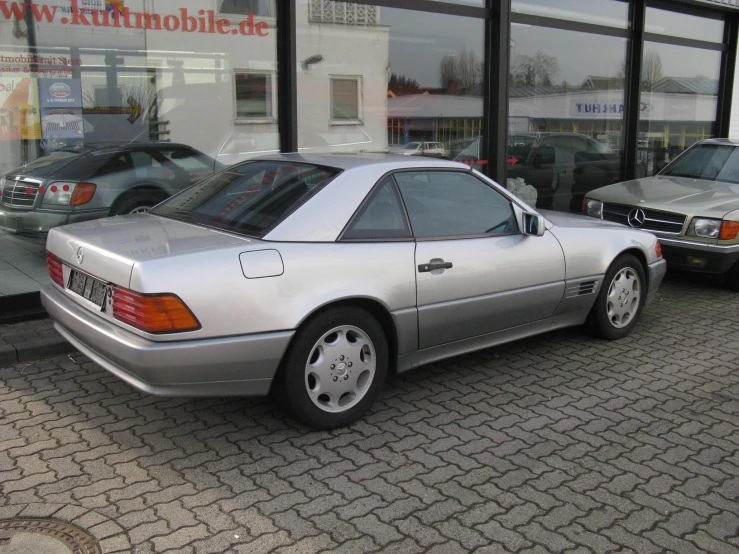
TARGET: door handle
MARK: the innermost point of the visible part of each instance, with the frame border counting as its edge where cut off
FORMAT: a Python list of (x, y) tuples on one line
[(424, 268)]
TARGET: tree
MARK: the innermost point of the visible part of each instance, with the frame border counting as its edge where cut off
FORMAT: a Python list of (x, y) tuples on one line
[(539, 69), (400, 85), (651, 70), (460, 72)]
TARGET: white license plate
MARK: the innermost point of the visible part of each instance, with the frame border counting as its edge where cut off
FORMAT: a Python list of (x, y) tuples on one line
[(87, 287)]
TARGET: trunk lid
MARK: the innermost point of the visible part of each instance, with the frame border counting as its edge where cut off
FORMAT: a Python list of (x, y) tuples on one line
[(109, 248)]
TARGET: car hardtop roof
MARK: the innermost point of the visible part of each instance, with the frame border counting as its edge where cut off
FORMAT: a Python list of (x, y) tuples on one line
[(720, 140), (123, 147), (352, 161)]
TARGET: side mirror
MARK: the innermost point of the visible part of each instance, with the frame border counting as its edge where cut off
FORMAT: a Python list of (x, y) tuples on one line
[(533, 225), (530, 224), (545, 155)]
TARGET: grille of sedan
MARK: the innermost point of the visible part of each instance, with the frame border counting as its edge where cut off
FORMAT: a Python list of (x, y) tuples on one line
[(73, 126), (654, 220), (20, 194)]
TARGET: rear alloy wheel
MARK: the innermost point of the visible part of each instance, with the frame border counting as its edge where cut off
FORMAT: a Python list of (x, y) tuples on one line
[(335, 367), (620, 300), (137, 203)]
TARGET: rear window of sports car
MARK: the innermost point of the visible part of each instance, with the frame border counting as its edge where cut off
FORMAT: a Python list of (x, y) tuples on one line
[(249, 198)]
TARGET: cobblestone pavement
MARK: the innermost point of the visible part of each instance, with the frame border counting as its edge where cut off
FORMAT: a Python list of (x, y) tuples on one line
[(560, 443)]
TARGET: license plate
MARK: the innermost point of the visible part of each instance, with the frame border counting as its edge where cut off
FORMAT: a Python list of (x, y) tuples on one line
[(87, 287)]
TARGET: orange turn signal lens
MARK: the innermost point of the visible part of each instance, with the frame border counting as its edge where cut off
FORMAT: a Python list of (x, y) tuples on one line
[(658, 249), (55, 269), (729, 230), (82, 194), (153, 313)]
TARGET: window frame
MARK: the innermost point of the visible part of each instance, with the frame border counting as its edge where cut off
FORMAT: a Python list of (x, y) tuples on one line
[(271, 100), (503, 193), (359, 120), (359, 212)]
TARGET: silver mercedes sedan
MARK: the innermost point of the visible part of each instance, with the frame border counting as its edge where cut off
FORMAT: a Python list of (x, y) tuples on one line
[(313, 277)]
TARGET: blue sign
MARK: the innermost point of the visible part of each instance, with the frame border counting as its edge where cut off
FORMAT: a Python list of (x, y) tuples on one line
[(61, 108)]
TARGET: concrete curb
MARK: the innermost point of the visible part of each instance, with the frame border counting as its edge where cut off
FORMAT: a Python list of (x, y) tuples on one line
[(19, 348)]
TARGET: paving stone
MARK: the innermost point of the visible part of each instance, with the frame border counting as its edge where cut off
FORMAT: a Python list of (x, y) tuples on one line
[(556, 443)]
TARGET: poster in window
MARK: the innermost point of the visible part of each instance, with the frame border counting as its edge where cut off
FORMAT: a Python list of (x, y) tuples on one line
[(61, 108)]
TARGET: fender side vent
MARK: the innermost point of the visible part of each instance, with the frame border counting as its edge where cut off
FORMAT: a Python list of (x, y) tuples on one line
[(581, 288)]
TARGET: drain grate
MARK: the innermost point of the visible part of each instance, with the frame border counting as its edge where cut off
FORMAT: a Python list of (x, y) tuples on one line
[(66, 537)]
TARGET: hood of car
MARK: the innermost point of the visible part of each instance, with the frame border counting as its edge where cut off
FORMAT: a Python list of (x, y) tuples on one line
[(673, 194), (561, 219)]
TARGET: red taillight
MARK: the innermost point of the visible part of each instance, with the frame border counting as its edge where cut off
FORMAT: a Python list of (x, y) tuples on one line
[(55, 269), (153, 313), (658, 249)]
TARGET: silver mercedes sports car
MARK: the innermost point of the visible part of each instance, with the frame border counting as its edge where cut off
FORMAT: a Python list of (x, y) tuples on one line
[(315, 276)]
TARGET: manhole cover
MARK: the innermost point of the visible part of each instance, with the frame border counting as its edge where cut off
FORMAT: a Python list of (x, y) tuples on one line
[(47, 536)]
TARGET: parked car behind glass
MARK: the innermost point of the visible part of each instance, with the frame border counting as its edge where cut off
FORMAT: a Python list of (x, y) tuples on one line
[(562, 167), (692, 205), (82, 183), (423, 149)]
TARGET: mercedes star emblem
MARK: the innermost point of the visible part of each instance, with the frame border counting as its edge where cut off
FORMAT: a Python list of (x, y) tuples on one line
[(636, 217), (80, 255)]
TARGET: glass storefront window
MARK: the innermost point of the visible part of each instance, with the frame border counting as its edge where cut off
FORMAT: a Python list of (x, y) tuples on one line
[(679, 93), (682, 25), (377, 79), (613, 13), (139, 98), (566, 114)]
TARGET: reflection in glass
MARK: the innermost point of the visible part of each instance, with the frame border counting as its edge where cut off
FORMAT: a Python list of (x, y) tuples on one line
[(612, 13), (566, 114), (382, 79), (683, 25), (678, 102)]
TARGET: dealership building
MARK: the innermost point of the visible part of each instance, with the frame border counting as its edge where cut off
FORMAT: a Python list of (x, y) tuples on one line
[(623, 84)]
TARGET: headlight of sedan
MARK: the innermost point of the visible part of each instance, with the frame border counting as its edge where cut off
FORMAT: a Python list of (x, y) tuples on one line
[(594, 208), (703, 227)]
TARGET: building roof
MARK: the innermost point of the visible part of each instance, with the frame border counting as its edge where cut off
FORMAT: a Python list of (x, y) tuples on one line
[(434, 105), (686, 85)]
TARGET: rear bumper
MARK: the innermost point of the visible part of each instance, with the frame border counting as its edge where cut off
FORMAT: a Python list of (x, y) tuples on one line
[(229, 366), (718, 258), (657, 272)]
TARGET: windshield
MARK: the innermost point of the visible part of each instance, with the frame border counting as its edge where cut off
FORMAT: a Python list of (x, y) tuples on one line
[(714, 162), (411, 146), (249, 198)]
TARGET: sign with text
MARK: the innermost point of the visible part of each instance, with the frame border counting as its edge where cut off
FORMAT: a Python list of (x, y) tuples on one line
[(61, 108), (114, 14)]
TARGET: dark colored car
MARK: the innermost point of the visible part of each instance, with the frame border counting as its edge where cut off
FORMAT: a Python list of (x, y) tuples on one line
[(562, 167), (82, 182)]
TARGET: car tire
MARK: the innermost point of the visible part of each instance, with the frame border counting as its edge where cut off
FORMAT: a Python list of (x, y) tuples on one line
[(138, 202), (732, 277), (334, 368), (620, 299)]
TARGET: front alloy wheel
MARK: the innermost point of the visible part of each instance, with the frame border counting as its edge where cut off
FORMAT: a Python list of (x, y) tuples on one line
[(620, 300), (624, 298)]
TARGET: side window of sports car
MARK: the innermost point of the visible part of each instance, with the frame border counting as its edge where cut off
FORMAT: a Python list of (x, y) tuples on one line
[(448, 204), (381, 217)]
